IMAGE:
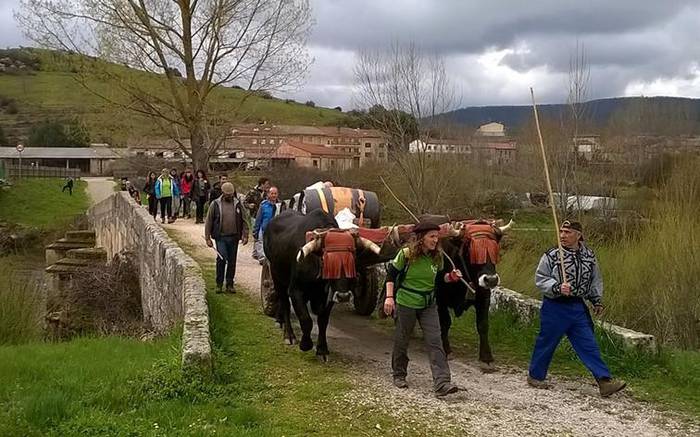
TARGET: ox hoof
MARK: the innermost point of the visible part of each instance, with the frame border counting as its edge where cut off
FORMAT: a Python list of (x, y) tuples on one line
[(487, 367), (306, 345), (323, 358)]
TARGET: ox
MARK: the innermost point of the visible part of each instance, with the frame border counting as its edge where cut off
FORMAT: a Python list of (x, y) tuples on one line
[(475, 253), (320, 272)]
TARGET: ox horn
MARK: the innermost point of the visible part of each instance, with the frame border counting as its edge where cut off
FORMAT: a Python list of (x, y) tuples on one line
[(506, 227), (309, 247), (367, 244), (453, 231)]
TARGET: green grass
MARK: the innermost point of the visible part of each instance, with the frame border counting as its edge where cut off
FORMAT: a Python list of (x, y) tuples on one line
[(117, 386), (39, 202), (59, 95)]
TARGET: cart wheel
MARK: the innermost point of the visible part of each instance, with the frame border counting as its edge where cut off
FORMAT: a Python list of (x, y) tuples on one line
[(268, 297)]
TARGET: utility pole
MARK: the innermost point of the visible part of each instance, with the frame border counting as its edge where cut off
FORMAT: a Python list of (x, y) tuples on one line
[(20, 149)]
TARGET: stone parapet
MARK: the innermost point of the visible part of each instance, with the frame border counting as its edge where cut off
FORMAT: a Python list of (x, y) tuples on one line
[(172, 287), (527, 309)]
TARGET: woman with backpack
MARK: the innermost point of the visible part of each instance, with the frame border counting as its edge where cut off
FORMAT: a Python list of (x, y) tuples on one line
[(410, 297)]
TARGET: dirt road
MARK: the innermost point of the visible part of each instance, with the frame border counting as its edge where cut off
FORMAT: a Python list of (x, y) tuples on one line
[(498, 404), (99, 188)]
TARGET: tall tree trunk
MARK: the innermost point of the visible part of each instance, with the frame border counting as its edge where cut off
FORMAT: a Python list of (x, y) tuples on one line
[(200, 154)]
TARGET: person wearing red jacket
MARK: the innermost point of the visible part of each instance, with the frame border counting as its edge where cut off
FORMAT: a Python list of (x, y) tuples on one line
[(186, 182)]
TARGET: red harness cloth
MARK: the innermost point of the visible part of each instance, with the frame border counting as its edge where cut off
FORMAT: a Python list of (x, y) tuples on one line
[(339, 255), (483, 243)]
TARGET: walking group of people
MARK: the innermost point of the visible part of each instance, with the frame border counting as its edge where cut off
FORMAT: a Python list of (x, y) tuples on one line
[(410, 298), (226, 223)]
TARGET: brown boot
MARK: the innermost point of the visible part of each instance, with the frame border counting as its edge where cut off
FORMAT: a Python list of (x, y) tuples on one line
[(536, 383), (610, 386)]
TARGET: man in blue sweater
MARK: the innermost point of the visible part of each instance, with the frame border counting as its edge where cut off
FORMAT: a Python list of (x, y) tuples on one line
[(269, 208), (564, 310)]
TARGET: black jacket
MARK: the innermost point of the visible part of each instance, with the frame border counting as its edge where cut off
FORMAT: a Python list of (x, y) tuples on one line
[(200, 189)]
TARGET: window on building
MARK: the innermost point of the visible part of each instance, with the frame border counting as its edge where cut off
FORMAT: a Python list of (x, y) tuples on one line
[(255, 141), (452, 148), (380, 155), (368, 145), (368, 155), (382, 145), (263, 141), (272, 141), (332, 163), (315, 163), (140, 153), (159, 154)]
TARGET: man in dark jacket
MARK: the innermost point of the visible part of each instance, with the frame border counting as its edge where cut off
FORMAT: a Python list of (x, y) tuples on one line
[(215, 192), (227, 225)]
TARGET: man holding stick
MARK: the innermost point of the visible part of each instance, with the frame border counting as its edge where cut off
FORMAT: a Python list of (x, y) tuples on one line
[(564, 310)]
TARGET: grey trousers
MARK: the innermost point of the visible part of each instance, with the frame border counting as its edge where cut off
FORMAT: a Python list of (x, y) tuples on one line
[(430, 325)]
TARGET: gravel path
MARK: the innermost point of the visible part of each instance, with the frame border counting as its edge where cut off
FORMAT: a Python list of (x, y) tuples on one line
[(498, 404), (99, 188)]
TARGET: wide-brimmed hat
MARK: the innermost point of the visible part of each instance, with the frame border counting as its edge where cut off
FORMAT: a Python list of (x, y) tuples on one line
[(425, 226), (227, 188)]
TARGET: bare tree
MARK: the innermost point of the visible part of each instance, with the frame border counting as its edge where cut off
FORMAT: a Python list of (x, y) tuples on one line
[(404, 80), (194, 46), (564, 156)]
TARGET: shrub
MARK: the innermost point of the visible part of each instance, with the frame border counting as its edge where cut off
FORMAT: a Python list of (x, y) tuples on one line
[(59, 134), (3, 138), (310, 103), (101, 299)]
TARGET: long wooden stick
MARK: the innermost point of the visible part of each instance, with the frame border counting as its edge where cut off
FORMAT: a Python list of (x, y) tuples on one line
[(454, 266), (549, 188)]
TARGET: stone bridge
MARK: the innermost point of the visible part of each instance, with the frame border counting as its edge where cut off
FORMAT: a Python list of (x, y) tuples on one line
[(172, 286)]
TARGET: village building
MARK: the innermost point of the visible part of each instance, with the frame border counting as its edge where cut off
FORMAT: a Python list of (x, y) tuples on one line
[(489, 145), (96, 160)]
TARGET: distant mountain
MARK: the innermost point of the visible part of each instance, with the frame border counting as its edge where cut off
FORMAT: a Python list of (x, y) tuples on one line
[(599, 111)]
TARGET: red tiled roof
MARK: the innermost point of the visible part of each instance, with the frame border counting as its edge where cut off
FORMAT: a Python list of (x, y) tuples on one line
[(317, 150)]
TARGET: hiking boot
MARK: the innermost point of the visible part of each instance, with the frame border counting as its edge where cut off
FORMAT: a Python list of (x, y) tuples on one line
[(400, 383), (446, 389), (230, 289), (610, 386), (536, 383), (219, 289)]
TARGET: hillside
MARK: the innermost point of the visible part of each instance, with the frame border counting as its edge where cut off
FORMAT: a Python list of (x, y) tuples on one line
[(601, 112), (46, 88)]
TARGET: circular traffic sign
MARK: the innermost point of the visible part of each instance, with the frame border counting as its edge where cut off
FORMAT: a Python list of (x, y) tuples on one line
[(20, 148)]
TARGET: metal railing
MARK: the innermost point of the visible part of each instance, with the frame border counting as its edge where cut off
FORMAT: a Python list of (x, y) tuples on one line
[(29, 171)]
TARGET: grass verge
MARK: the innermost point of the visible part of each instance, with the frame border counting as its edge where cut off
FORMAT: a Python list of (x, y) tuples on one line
[(39, 202)]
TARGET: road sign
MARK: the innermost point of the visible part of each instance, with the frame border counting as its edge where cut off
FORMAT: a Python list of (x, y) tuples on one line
[(20, 148)]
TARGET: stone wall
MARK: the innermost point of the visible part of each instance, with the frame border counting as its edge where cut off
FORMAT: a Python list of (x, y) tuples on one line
[(172, 287), (527, 309)]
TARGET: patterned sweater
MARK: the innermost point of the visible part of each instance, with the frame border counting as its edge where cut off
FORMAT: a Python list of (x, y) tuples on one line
[(582, 273)]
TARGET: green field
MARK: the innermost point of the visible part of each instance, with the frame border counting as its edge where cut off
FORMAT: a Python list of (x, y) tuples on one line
[(55, 92), (39, 202)]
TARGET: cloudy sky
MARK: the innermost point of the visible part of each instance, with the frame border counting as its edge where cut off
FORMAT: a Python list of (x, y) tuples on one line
[(496, 49)]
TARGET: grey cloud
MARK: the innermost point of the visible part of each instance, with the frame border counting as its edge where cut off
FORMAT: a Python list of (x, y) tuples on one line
[(10, 35)]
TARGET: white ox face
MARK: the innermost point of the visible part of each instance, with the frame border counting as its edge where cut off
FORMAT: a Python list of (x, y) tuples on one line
[(489, 281)]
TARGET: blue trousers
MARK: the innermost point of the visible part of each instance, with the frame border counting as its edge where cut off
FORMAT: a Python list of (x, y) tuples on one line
[(570, 317), (228, 248)]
